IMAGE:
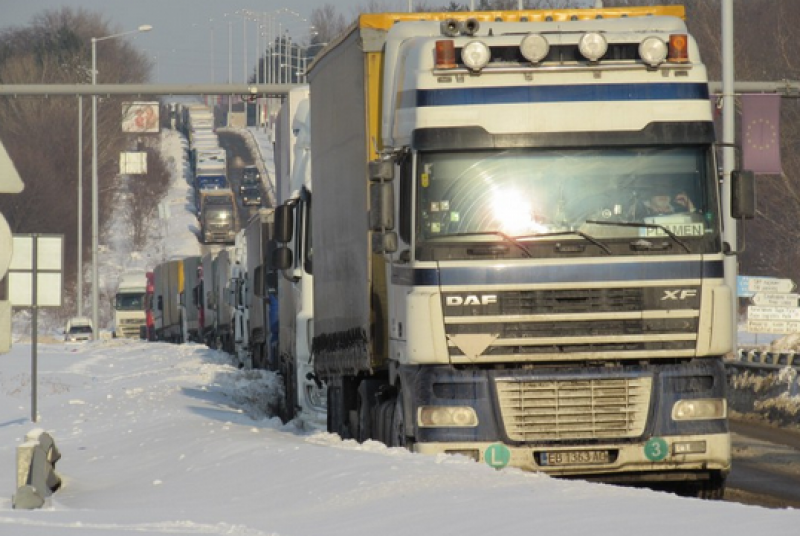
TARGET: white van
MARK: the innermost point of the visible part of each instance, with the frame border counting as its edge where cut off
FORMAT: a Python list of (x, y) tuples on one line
[(79, 329)]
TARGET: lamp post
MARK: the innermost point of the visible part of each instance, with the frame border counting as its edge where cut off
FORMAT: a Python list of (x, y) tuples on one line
[(79, 290), (95, 217)]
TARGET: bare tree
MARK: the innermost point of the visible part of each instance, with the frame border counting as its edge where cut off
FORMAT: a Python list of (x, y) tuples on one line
[(327, 23), (41, 134)]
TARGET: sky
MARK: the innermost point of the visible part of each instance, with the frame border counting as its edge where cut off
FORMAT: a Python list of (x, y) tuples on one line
[(159, 439), (187, 34)]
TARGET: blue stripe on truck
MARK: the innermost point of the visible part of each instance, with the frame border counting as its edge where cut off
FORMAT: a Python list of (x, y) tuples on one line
[(461, 96), (563, 273)]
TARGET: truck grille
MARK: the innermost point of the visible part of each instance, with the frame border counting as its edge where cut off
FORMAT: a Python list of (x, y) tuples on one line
[(563, 322), (564, 410)]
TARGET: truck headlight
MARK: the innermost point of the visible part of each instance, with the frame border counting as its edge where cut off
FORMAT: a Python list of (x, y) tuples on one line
[(700, 409), (653, 51), (593, 46), (476, 55), (446, 416), (534, 47)]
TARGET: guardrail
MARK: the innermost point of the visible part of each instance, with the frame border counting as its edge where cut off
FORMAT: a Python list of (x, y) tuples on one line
[(765, 360)]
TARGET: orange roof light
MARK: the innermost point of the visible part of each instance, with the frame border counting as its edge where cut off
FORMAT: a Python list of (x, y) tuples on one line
[(445, 54), (678, 49)]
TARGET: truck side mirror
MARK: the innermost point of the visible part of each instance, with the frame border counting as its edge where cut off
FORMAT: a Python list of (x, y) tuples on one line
[(743, 195), (284, 223), (384, 242), (282, 258), (258, 282), (381, 212), (160, 303)]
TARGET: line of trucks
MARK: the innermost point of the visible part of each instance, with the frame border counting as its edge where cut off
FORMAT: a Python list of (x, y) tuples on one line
[(214, 200), (472, 276)]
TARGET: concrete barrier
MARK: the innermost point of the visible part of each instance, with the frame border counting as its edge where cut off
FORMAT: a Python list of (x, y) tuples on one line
[(36, 475)]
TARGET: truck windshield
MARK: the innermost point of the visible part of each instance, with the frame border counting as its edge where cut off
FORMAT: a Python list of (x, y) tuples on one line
[(211, 182), (219, 213), (129, 302), (535, 195)]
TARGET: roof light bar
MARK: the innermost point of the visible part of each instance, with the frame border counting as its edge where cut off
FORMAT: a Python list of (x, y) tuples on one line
[(445, 54), (678, 48), (476, 55), (593, 46), (653, 51), (534, 47)]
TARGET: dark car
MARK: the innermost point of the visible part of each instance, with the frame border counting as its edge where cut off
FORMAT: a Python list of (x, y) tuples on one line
[(250, 178), (251, 195)]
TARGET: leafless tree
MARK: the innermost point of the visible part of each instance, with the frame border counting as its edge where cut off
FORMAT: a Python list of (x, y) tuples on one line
[(41, 134), (327, 23)]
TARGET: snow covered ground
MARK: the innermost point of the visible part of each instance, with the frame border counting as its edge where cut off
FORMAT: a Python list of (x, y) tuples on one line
[(160, 439)]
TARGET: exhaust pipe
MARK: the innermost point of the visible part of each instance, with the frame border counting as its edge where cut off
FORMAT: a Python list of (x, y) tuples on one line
[(470, 27), (450, 27)]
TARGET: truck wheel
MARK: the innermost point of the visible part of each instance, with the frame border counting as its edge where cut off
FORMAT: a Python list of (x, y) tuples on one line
[(712, 489), (397, 432)]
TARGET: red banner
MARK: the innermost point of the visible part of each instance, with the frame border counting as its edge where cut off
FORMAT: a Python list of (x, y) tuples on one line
[(761, 139)]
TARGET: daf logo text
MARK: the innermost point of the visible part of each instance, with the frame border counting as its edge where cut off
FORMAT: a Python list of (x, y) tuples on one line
[(471, 299)]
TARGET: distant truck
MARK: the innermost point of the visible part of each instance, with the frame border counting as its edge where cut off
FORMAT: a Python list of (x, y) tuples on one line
[(168, 286), (250, 177), (305, 396), (218, 216), (129, 305), (78, 329)]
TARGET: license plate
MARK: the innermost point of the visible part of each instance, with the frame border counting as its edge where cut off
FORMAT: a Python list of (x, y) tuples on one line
[(574, 457)]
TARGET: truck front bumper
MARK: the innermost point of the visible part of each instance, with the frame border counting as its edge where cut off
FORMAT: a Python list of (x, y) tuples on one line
[(578, 421)]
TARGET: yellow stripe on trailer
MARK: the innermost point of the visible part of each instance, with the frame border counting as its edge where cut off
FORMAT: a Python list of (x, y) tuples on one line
[(384, 21)]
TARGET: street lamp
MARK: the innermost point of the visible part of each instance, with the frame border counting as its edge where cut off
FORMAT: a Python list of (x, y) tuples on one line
[(95, 217)]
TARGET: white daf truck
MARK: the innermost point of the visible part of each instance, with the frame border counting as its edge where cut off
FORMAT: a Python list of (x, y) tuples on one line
[(491, 277), (129, 305)]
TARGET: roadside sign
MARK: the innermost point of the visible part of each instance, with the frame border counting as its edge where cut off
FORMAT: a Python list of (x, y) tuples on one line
[(779, 327), (768, 284), (770, 299), (743, 286), (756, 312)]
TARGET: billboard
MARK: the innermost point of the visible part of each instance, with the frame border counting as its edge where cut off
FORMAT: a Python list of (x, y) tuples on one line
[(140, 117)]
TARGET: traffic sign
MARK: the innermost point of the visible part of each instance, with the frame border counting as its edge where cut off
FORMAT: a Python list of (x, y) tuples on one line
[(778, 327), (756, 312), (769, 284), (770, 299), (497, 455)]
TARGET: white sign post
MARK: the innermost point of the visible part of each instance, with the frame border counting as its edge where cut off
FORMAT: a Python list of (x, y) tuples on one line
[(35, 280)]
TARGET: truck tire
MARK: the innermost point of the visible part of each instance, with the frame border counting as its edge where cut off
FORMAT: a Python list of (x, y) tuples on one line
[(397, 431)]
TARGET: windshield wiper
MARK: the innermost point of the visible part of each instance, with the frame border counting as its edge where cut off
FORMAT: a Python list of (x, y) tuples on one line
[(507, 238), (583, 235), (669, 233)]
